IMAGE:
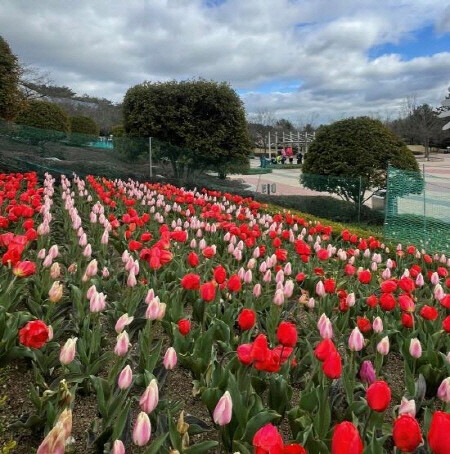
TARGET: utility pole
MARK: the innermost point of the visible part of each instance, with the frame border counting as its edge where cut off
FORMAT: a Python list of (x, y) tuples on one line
[(150, 156), (270, 148)]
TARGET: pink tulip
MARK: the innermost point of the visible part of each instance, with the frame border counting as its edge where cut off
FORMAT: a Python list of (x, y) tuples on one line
[(67, 354), (142, 430), (320, 289), (92, 268), (420, 282), (150, 397), (326, 330), (407, 407), (122, 344), (105, 237), (118, 447), (97, 302), (248, 277), (91, 291), (383, 346), (278, 298), (55, 271), (125, 378), (434, 278), (415, 348), (170, 359), (150, 296), (56, 292), (311, 303), (377, 325), (350, 300), (72, 268), (123, 321), (444, 390), (257, 290), (47, 263), (356, 340), (53, 251), (41, 254), (105, 273), (131, 281), (224, 409)]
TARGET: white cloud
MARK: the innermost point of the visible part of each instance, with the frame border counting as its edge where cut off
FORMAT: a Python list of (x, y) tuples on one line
[(102, 48)]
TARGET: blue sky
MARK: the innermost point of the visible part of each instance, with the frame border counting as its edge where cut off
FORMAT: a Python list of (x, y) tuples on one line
[(298, 59), (423, 42)]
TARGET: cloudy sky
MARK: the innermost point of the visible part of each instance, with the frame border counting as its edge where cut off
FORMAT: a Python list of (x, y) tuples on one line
[(300, 59)]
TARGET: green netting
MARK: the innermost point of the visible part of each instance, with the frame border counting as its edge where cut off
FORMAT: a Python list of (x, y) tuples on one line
[(418, 209)]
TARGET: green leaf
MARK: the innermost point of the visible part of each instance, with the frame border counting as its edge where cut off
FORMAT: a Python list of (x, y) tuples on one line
[(156, 445), (121, 420), (201, 448), (255, 423)]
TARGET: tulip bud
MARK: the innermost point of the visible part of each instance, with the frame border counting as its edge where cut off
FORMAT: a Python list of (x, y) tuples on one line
[(444, 391), (41, 254), (92, 268), (56, 291), (435, 278), (326, 329), (87, 252), (224, 409), (367, 373), (125, 378), (350, 300), (105, 237), (383, 346), (248, 277), (278, 299), (91, 291), (407, 407), (257, 290), (131, 281), (170, 358), (320, 289), (162, 311), (53, 251), (150, 397), (142, 430), (122, 344), (68, 351), (118, 447), (55, 271), (377, 325), (123, 321), (72, 268), (311, 303), (105, 275), (420, 282), (415, 348), (47, 263), (356, 340), (150, 296)]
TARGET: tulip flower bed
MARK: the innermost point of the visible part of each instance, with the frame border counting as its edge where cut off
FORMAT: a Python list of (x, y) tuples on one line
[(292, 339)]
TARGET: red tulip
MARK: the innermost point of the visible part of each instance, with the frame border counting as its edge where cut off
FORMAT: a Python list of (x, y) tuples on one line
[(234, 283), (388, 286), (267, 440), (220, 274), (34, 334), (208, 291), (246, 319), (365, 277), (294, 449), (364, 324), (439, 433), (24, 269), (184, 325), (429, 312), (330, 285), (407, 320), (332, 366), (324, 348), (387, 302), (406, 433), (446, 324), (346, 439), (287, 334), (193, 259), (378, 396), (191, 281)]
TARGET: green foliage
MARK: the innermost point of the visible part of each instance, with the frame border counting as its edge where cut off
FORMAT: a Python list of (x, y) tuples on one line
[(11, 100), (355, 147), (83, 125), (203, 122), (44, 115), (118, 131)]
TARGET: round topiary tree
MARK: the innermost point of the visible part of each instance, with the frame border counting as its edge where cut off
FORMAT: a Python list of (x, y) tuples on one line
[(351, 156), (11, 100), (42, 122), (84, 125), (200, 124), (44, 115)]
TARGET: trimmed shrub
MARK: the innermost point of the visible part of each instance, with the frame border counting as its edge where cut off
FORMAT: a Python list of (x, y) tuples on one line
[(84, 125), (44, 115)]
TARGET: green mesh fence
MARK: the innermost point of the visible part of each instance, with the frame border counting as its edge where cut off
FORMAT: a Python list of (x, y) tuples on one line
[(418, 208)]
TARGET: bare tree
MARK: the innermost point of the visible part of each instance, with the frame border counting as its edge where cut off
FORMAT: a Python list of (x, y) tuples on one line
[(32, 78), (260, 124)]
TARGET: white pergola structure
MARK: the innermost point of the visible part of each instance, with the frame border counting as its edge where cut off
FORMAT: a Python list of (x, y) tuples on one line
[(301, 139)]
